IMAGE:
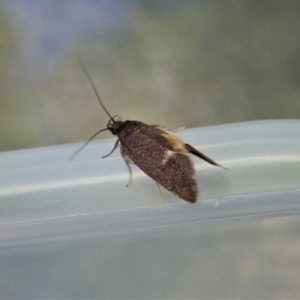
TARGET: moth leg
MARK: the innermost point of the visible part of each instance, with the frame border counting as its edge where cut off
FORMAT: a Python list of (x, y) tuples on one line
[(128, 162), (114, 148), (201, 155), (160, 194)]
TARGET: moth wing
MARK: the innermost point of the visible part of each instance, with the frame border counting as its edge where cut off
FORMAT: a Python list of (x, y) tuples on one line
[(178, 175), (180, 146), (196, 152), (172, 170)]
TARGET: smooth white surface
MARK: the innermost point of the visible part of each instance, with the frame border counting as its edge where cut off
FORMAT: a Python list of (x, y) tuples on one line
[(76, 231)]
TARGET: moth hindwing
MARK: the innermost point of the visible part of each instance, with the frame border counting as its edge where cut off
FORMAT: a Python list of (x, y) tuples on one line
[(163, 157)]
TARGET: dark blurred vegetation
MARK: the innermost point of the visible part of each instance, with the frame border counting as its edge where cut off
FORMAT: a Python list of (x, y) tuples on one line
[(174, 63)]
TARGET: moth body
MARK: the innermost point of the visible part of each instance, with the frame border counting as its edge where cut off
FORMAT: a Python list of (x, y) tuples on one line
[(162, 156), (149, 148)]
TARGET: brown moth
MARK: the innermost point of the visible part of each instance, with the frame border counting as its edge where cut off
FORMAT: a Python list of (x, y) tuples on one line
[(162, 156)]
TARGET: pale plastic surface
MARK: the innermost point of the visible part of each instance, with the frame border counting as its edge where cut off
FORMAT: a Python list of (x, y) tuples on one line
[(73, 230)]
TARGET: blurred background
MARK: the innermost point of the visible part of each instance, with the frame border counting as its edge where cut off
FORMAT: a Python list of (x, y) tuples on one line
[(169, 62)]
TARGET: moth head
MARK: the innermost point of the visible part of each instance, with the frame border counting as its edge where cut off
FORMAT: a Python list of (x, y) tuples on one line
[(113, 126)]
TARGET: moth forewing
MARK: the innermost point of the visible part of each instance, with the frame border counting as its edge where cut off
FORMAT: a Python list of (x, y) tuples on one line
[(154, 156)]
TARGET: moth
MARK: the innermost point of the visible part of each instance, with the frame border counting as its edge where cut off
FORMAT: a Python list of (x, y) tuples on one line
[(162, 156)]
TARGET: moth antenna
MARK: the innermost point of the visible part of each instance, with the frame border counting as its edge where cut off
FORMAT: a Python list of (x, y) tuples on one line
[(85, 144), (85, 71)]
